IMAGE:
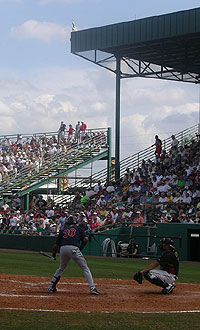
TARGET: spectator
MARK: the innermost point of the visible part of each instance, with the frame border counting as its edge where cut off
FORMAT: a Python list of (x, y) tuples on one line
[(138, 220), (70, 132), (77, 131), (61, 131), (41, 203), (15, 202), (187, 220), (158, 145), (83, 127), (175, 142), (95, 224)]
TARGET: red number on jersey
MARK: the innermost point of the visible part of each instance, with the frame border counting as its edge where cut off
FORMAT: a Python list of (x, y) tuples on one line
[(69, 232)]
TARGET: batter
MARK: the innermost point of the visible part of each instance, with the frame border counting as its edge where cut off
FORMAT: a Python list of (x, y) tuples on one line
[(70, 241)]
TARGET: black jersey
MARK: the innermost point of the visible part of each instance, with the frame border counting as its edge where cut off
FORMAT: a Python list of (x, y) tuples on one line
[(71, 235), (169, 262)]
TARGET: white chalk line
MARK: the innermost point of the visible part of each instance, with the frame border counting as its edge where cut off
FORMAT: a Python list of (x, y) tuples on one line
[(24, 295), (89, 312), (40, 283), (68, 311), (72, 283)]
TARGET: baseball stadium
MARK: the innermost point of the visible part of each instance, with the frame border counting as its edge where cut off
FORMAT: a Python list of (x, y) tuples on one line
[(132, 228)]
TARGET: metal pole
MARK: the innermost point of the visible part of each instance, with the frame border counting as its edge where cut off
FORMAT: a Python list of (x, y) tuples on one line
[(117, 120), (109, 153), (27, 202), (199, 112)]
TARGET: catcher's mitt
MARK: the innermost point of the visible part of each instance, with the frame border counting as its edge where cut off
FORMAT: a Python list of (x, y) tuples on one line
[(138, 277)]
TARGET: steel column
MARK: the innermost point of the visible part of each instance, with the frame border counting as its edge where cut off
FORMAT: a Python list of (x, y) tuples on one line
[(109, 153), (26, 202), (117, 119)]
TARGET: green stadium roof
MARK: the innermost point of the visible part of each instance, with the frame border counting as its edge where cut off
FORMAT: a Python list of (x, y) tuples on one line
[(164, 47)]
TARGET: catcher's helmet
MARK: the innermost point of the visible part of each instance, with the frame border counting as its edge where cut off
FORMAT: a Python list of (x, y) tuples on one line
[(71, 220), (167, 241)]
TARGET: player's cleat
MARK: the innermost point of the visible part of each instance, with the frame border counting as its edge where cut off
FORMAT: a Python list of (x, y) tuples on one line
[(52, 287), (94, 291), (168, 289)]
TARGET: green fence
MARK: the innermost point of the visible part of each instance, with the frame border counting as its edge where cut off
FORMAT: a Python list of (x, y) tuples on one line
[(107, 243)]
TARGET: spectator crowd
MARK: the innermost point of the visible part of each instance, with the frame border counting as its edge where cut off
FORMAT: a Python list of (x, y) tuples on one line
[(163, 190), (31, 152)]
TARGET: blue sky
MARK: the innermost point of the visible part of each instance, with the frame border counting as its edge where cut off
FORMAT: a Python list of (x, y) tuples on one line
[(42, 83)]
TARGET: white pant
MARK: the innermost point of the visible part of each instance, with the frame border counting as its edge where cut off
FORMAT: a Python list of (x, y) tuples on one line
[(163, 276)]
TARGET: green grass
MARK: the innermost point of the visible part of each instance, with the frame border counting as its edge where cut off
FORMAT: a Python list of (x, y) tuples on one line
[(118, 268), (119, 321), (36, 265)]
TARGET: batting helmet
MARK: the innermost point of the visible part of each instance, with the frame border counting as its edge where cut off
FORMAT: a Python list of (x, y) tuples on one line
[(71, 220), (167, 241)]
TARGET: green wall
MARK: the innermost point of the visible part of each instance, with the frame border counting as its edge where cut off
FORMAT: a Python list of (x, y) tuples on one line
[(186, 237)]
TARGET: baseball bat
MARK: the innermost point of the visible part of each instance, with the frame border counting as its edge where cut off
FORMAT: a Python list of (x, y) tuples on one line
[(47, 255)]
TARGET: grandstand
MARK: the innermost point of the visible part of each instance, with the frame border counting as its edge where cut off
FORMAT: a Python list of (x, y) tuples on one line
[(101, 203), (146, 195), (38, 168)]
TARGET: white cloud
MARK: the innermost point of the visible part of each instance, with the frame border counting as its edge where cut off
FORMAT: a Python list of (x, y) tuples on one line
[(54, 94), (43, 31)]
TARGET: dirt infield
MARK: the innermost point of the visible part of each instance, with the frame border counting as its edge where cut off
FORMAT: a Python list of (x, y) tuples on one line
[(28, 292)]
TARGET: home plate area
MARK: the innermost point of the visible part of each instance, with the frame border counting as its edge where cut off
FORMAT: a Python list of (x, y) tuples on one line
[(30, 293)]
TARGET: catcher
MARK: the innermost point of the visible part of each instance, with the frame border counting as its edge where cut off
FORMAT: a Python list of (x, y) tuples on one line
[(169, 265)]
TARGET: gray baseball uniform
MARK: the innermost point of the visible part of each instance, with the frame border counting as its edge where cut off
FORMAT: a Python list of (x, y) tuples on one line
[(69, 240)]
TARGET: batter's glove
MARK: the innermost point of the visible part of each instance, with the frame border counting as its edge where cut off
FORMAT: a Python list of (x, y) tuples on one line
[(138, 277)]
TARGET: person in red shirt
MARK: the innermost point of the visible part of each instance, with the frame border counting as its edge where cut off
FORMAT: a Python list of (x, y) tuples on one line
[(158, 144), (95, 225), (83, 126), (138, 220), (70, 132)]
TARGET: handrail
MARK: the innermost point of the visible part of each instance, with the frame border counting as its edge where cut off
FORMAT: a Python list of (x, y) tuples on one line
[(39, 135)]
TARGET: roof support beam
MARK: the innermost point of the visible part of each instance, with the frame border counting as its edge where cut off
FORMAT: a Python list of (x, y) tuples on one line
[(117, 119)]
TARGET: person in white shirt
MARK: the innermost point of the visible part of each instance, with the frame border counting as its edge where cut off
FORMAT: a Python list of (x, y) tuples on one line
[(137, 187), (114, 215), (13, 220), (175, 142), (98, 187), (5, 206), (177, 198), (110, 188), (101, 201), (164, 187), (187, 199), (49, 212), (89, 192), (162, 198), (52, 150)]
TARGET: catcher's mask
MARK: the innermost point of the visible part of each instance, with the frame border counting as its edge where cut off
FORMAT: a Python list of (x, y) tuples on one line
[(71, 220), (167, 241)]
